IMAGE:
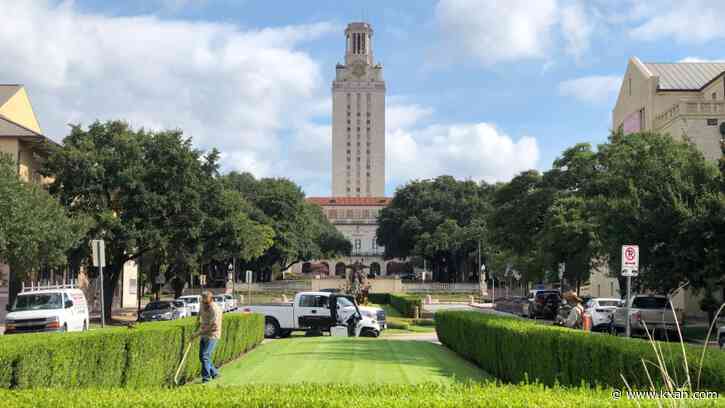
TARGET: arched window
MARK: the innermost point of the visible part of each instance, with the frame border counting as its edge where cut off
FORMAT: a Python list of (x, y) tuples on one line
[(340, 269)]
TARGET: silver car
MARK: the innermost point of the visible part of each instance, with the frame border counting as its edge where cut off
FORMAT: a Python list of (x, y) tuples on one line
[(182, 308)]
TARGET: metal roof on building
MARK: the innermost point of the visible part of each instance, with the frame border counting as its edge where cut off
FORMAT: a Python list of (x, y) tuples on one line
[(685, 75), (349, 201)]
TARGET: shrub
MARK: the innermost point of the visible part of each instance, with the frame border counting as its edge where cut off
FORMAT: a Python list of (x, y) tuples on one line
[(327, 395), (515, 350), (146, 355), (405, 304), (396, 324), (379, 298)]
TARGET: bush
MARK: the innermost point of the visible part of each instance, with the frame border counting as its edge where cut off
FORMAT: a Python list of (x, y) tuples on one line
[(515, 350), (406, 304), (146, 355), (399, 325), (326, 395), (379, 298)]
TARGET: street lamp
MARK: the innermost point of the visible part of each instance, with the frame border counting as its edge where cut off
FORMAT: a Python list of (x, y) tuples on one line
[(482, 280)]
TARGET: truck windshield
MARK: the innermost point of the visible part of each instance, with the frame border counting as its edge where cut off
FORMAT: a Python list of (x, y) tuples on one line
[(650, 303), (343, 302), (38, 301), (190, 300)]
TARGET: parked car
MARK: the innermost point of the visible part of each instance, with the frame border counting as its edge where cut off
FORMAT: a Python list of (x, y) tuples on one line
[(231, 302), (193, 302), (601, 311), (315, 312), (182, 308), (544, 303), (159, 310), (221, 301), (47, 309), (651, 311)]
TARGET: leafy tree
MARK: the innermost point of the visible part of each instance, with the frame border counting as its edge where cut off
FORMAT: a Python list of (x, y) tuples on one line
[(441, 220), (655, 191), (301, 231), (35, 229)]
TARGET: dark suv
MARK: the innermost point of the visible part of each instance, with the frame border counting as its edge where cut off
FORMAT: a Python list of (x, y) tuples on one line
[(544, 303)]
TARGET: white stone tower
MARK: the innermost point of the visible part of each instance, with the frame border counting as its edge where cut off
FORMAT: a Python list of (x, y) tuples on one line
[(358, 119)]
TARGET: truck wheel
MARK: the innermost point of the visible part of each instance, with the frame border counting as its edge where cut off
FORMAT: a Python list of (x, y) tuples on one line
[(271, 328)]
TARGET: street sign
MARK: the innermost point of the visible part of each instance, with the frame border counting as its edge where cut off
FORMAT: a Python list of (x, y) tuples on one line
[(630, 272), (98, 248), (249, 276), (630, 258)]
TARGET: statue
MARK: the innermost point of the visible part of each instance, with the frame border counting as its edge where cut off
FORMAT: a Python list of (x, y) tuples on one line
[(359, 285)]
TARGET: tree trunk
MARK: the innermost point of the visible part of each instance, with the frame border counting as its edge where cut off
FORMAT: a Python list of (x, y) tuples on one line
[(110, 280), (14, 284)]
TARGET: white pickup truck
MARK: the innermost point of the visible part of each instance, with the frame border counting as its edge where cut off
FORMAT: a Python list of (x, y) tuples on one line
[(651, 313), (315, 311)]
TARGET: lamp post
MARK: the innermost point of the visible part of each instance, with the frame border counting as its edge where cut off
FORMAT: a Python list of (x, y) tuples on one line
[(482, 280)]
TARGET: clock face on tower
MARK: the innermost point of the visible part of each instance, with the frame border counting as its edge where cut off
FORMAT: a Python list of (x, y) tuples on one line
[(358, 70)]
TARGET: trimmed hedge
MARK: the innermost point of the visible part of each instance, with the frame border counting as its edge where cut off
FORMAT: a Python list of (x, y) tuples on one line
[(379, 298), (145, 355), (406, 304), (516, 350), (330, 395)]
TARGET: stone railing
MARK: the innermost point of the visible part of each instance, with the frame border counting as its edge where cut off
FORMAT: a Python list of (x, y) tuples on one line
[(689, 107), (433, 287)]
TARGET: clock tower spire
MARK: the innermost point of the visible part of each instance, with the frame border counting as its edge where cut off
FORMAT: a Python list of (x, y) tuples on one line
[(358, 119)]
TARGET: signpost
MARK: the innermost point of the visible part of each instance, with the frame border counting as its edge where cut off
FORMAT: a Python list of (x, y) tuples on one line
[(249, 286), (630, 268), (98, 249)]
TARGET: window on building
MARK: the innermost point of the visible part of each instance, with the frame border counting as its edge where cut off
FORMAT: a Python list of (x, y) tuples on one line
[(348, 129), (348, 189), (369, 119), (358, 189), (368, 174), (358, 244), (348, 213), (366, 213), (714, 95), (629, 82), (333, 214), (348, 122), (348, 151), (368, 151), (711, 122)]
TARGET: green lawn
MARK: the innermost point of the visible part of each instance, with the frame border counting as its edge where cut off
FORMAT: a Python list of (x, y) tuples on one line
[(349, 360)]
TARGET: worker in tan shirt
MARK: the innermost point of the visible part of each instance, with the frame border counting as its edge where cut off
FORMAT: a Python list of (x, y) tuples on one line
[(210, 330)]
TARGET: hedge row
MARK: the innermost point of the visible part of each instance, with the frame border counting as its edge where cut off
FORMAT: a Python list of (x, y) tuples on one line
[(145, 355), (379, 298), (515, 350), (406, 304), (329, 395)]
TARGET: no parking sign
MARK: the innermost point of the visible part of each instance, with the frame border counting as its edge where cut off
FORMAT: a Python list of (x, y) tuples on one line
[(630, 260)]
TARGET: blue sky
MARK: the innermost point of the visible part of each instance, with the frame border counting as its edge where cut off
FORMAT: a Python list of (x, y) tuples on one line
[(477, 89)]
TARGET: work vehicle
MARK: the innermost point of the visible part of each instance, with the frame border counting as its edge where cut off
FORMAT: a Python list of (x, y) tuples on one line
[(231, 302), (182, 308), (653, 312), (193, 302), (221, 301), (601, 311), (543, 303), (316, 312), (159, 310), (52, 308)]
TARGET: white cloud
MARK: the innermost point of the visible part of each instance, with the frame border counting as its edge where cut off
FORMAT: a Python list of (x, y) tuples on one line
[(238, 90), (478, 151), (576, 27), (597, 89), (698, 59), (686, 21), (498, 31), (514, 30)]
